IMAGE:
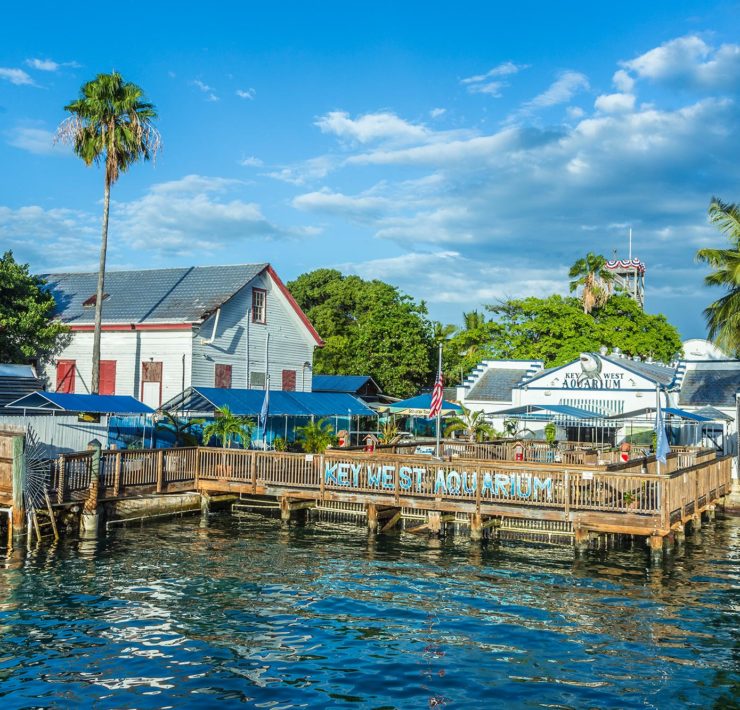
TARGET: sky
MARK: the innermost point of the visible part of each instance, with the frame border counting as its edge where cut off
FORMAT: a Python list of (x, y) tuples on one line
[(465, 152)]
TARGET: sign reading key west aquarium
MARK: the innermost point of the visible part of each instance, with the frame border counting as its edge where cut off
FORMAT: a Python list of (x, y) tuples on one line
[(440, 481)]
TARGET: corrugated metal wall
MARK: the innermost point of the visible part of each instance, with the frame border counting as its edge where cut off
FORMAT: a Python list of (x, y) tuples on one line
[(61, 433)]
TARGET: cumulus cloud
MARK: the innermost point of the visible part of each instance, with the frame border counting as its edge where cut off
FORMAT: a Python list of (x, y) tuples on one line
[(615, 103), (35, 140), (371, 127), (562, 90), (42, 64), (251, 162), (689, 61), (623, 81), (15, 76), (246, 93)]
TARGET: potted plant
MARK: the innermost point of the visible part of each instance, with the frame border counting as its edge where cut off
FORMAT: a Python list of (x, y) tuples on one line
[(227, 427), (316, 436)]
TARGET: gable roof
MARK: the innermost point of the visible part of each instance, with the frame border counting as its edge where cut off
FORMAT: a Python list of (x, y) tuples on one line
[(716, 387), (17, 381), (495, 385), (184, 295), (93, 403)]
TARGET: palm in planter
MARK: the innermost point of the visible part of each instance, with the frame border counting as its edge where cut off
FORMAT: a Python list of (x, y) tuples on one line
[(228, 427), (472, 423), (316, 436)]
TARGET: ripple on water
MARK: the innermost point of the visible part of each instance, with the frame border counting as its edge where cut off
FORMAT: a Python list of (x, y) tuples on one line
[(177, 615)]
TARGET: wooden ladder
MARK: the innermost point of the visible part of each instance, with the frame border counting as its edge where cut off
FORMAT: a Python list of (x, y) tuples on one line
[(47, 526)]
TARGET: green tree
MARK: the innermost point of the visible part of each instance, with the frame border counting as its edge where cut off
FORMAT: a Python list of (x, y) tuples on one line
[(316, 436), (228, 427), (591, 275), (723, 316), (112, 124), (556, 330), (468, 345), (28, 330), (369, 328), (473, 424)]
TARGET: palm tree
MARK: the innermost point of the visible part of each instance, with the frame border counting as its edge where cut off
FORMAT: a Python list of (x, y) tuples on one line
[(591, 273), (474, 424), (226, 427), (180, 427), (316, 436), (111, 123), (723, 316)]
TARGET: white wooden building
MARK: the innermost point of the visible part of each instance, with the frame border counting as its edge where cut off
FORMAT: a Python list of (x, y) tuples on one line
[(165, 330)]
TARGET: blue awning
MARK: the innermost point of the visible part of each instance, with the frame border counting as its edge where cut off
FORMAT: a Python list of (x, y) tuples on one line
[(91, 403), (419, 406), (676, 412), (249, 402), (541, 410)]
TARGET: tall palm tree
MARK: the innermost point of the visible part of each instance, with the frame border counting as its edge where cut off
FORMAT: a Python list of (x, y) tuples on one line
[(591, 274), (723, 316), (227, 427), (112, 124)]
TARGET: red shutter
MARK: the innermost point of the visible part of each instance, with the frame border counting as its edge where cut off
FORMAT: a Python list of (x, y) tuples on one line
[(288, 380), (66, 376), (223, 376), (107, 377)]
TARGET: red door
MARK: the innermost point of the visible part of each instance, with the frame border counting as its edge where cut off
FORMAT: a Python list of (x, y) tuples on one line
[(223, 376), (107, 377), (66, 376), (288, 380)]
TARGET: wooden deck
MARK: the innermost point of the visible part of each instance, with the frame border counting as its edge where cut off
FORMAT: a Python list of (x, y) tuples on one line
[(590, 498)]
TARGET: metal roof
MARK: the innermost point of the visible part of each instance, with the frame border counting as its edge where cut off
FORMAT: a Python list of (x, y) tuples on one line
[(17, 381), (714, 414), (661, 374), (341, 383), (495, 385), (183, 295), (647, 412), (558, 409), (712, 386), (92, 403), (249, 402)]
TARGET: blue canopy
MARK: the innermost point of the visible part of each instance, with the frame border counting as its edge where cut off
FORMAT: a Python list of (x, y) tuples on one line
[(547, 410), (91, 403), (249, 402), (419, 406)]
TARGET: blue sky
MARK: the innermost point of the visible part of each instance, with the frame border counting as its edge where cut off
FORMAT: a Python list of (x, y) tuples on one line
[(464, 152)]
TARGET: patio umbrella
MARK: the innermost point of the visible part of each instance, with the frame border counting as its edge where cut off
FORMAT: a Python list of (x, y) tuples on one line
[(419, 406)]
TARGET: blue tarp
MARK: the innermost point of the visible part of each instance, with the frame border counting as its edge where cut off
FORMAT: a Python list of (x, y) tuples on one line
[(291, 404), (91, 403)]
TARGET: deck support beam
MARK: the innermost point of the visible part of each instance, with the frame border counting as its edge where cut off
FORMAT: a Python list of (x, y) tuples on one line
[(90, 517), (655, 542), (476, 527), (292, 510)]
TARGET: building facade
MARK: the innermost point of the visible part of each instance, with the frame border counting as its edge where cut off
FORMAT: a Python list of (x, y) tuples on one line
[(165, 330)]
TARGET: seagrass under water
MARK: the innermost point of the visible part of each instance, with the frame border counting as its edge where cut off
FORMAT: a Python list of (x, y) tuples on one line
[(245, 612)]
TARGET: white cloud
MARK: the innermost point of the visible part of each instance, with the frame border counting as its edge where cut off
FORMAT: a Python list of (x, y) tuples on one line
[(623, 81), (35, 140), (483, 84), (251, 162), (306, 171), (42, 64), (575, 112), (211, 96), (563, 89), (689, 61), (329, 202), (492, 88), (382, 126), (15, 76), (246, 93), (615, 103), (437, 112)]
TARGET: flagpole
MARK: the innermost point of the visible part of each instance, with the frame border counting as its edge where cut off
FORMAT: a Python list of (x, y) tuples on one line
[(658, 423), (439, 412)]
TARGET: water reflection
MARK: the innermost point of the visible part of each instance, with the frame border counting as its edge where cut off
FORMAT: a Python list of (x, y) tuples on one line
[(249, 611)]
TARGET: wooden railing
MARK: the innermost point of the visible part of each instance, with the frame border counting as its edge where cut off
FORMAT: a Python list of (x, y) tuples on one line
[(689, 481)]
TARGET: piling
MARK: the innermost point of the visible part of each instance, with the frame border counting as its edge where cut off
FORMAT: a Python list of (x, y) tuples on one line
[(90, 516)]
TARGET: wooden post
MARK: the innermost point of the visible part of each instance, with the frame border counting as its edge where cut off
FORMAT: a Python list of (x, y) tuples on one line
[(397, 483), (160, 470), (566, 486), (285, 509), (372, 517), (19, 507), (61, 482), (476, 527), (322, 477), (253, 471), (680, 535), (656, 545), (434, 519), (90, 507), (117, 476), (581, 538), (198, 452), (478, 486)]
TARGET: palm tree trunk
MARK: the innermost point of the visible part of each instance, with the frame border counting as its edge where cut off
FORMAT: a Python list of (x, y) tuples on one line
[(95, 381)]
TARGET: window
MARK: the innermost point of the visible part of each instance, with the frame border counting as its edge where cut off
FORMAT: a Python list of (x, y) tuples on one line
[(259, 305), (289, 380), (151, 383), (257, 380), (223, 377), (66, 376), (90, 302), (107, 382)]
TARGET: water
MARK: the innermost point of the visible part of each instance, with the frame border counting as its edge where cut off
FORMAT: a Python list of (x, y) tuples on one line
[(251, 614)]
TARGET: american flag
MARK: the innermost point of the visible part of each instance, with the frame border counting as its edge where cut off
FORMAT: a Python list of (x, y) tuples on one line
[(436, 406)]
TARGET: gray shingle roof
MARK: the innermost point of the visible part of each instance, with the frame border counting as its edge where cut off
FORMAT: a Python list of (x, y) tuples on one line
[(662, 374), (183, 295), (715, 387), (495, 385), (17, 381)]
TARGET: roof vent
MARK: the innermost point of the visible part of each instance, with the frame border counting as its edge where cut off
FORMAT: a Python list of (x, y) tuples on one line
[(637, 358), (603, 350), (90, 302), (616, 352), (649, 360)]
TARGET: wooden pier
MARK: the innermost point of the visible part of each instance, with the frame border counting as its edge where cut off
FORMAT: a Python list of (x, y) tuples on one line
[(575, 500)]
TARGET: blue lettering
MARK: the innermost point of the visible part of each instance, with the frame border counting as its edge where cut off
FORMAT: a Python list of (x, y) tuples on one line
[(540, 485), (419, 473), (519, 490), (404, 477), (487, 484), (330, 474), (388, 477), (356, 469), (453, 482), (440, 483), (469, 489), (502, 485), (373, 476), (343, 474)]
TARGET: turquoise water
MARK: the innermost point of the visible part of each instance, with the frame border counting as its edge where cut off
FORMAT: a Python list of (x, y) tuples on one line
[(252, 614)]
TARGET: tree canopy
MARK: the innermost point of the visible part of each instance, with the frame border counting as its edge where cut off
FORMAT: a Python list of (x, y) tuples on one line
[(556, 330), (27, 329), (723, 316), (370, 328)]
